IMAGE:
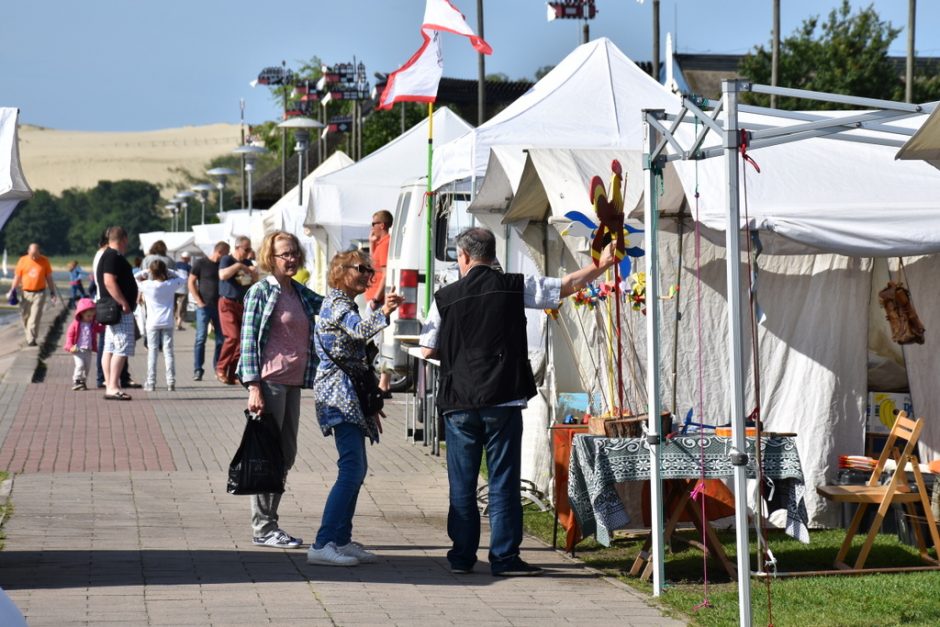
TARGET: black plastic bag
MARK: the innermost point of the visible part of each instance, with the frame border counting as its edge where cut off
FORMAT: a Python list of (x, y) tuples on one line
[(258, 465)]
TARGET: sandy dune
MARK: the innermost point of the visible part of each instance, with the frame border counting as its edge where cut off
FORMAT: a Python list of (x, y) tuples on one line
[(56, 160)]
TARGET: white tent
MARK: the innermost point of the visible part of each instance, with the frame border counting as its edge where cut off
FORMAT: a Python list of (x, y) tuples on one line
[(206, 236), (591, 99), (342, 203), (13, 185), (288, 214), (176, 242)]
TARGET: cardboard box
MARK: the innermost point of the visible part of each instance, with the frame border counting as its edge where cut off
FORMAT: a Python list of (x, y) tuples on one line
[(882, 409)]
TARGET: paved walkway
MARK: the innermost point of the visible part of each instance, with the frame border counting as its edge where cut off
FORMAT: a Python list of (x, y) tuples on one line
[(121, 517)]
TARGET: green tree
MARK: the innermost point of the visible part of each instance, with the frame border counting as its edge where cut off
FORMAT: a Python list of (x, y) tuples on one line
[(39, 220), (846, 54), (542, 71), (131, 204), (381, 127)]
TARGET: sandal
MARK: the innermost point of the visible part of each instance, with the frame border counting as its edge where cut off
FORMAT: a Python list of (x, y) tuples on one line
[(120, 396)]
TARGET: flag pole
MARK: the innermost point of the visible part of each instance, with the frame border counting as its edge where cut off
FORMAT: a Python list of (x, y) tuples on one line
[(428, 268)]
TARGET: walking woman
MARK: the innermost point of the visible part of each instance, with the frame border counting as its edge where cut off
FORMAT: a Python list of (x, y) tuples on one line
[(341, 337), (277, 360)]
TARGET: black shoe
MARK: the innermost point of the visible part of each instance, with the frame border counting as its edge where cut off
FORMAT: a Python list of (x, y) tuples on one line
[(516, 568), (31, 343), (457, 570), (132, 384), (197, 375), (386, 394)]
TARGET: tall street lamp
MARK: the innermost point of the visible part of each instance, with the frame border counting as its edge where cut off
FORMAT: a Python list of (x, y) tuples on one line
[(302, 127), (183, 198), (250, 153), (174, 210), (202, 190), (220, 175)]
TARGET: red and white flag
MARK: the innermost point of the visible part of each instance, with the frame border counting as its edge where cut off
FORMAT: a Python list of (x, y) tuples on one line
[(417, 80)]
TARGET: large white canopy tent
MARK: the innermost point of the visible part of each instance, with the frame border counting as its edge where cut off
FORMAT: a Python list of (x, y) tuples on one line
[(177, 242), (290, 212), (342, 203), (13, 185)]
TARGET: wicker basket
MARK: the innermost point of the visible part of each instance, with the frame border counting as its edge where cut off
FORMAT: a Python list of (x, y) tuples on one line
[(626, 426)]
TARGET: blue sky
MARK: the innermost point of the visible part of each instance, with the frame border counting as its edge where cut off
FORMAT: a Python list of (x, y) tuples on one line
[(121, 65)]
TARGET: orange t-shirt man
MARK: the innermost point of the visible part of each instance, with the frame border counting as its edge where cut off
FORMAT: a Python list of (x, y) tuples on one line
[(33, 272), (379, 238)]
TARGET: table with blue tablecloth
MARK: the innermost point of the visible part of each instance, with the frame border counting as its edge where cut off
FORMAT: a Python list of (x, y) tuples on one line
[(597, 463)]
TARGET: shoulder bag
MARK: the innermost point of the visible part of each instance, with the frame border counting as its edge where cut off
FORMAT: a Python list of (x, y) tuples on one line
[(364, 383), (107, 311)]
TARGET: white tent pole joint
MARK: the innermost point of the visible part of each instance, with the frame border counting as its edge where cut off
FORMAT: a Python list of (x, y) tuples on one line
[(653, 164)]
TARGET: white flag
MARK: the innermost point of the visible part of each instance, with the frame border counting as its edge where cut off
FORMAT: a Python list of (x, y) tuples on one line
[(417, 80)]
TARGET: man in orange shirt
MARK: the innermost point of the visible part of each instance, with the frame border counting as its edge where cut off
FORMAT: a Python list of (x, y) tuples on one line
[(34, 274), (379, 237)]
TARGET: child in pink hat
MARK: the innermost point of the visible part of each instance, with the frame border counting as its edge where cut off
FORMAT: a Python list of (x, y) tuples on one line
[(81, 339)]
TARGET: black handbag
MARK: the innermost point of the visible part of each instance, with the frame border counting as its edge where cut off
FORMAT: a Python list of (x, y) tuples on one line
[(258, 464), (365, 383), (108, 311)]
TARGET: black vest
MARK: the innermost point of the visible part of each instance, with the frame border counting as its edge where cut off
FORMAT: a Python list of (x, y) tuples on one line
[(482, 341)]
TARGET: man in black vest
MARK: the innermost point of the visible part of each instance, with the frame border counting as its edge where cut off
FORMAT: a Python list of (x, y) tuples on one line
[(476, 328)]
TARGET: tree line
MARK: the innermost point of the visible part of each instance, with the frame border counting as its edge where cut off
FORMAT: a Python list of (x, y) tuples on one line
[(71, 224)]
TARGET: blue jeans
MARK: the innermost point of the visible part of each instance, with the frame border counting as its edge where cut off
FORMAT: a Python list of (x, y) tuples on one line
[(157, 339), (336, 524), (498, 431), (204, 315)]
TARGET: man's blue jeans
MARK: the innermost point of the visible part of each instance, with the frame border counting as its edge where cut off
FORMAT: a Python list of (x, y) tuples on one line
[(336, 524), (498, 431), (205, 315)]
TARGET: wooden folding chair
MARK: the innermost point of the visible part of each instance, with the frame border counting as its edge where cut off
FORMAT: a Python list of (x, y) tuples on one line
[(883, 496)]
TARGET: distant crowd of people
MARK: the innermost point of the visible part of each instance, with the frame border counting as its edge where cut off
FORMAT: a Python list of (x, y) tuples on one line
[(276, 337)]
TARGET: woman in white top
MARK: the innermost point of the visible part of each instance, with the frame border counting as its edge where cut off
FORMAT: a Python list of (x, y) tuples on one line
[(158, 291)]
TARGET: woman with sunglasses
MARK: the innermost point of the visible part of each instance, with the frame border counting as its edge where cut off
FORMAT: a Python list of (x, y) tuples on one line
[(341, 337), (277, 360)]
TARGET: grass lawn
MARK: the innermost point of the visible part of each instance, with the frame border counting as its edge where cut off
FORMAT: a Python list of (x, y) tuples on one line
[(896, 599)]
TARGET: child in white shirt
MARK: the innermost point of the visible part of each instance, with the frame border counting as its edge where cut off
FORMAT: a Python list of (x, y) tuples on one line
[(158, 290)]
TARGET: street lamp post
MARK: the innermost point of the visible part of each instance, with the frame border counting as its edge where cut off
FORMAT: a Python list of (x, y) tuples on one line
[(183, 197), (302, 127), (250, 153), (202, 190), (220, 175), (174, 210)]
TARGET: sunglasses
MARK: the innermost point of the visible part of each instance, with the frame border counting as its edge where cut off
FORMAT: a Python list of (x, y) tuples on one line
[(286, 256), (378, 223), (361, 268)]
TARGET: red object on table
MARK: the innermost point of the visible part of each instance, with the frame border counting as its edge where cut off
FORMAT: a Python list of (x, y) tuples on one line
[(562, 435)]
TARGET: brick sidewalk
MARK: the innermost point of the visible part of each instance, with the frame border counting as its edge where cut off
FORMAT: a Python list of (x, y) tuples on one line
[(121, 517)]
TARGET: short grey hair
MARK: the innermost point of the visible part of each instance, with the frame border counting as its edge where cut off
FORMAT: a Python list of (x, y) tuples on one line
[(478, 243)]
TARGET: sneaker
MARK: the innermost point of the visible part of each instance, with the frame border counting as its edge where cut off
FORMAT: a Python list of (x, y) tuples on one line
[(31, 343), (197, 375), (457, 570), (149, 387), (516, 568), (78, 385), (278, 539), (329, 556), (354, 549), (171, 387)]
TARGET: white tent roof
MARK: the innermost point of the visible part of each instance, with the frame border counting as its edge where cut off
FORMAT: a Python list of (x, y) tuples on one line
[(828, 196), (206, 236), (289, 214), (591, 99), (176, 241), (925, 144), (349, 197), (13, 185)]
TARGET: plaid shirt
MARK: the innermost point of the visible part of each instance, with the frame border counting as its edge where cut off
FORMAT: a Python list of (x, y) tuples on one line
[(256, 324)]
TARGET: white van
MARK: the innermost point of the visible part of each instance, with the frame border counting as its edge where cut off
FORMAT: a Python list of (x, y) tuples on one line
[(407, 262)]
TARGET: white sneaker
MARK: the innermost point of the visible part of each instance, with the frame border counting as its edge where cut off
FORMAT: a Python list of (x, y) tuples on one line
[(148, 387), (354, 549), (329, 556)]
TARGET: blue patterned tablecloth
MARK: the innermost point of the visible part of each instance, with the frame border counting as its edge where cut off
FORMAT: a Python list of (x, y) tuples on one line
[(597, 463)]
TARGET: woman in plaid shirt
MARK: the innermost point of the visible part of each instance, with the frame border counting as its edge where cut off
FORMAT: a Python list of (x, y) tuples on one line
[(278, 360)]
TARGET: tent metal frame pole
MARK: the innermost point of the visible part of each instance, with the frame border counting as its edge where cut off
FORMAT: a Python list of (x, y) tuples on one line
[(731, 143), (653, 167), (659, 137)]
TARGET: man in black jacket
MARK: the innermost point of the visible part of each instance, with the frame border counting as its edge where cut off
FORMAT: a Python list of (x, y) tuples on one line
[(477, 330)]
